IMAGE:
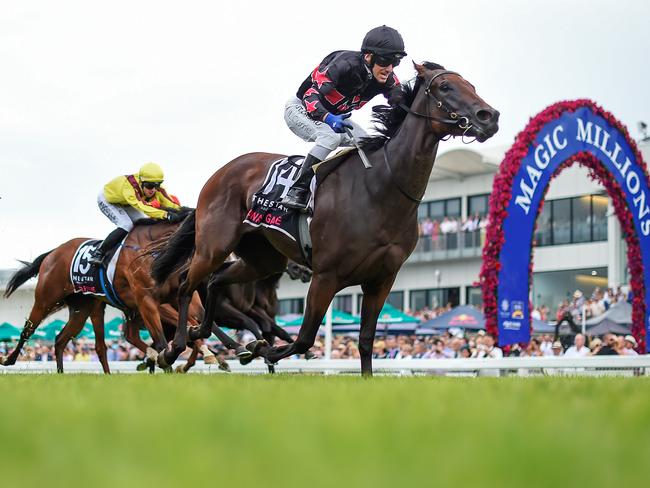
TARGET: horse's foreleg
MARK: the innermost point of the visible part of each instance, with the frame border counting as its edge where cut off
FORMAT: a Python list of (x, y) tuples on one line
[(230, 343), (321, 292), (264, 323), (75, 323), (200, 267), (374, 297), (132, 335)]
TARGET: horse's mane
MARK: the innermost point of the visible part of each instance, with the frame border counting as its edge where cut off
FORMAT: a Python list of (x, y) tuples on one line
[(389, 119)]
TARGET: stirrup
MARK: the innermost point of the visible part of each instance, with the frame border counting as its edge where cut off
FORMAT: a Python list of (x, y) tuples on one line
[(299, 202)]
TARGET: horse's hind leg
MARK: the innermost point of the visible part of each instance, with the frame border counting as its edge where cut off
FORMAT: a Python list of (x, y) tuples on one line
[(39, 311), (97, 319)]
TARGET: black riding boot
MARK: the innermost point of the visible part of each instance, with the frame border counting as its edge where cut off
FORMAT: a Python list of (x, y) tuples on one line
[(298, 195), (107, 244)]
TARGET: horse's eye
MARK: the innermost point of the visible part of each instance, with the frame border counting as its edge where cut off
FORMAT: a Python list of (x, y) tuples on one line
[(445, 87)]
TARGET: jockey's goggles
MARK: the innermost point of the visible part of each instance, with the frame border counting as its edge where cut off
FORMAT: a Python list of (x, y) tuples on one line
[(387, 60), (150, 185)]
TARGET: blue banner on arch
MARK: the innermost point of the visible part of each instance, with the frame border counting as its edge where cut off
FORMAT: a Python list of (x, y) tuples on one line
[(557, 141)]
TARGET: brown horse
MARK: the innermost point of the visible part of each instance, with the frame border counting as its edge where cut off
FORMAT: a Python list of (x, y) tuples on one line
[(132, 283), (364, 224)]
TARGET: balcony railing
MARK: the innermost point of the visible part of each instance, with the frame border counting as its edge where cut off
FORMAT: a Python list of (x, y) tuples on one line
[(457, 245)]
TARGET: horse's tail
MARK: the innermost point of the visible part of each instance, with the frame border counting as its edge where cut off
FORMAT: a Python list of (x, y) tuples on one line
[(23, 274), (173, 253)]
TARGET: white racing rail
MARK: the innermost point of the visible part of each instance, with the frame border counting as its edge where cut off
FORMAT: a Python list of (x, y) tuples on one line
[(599, 365)]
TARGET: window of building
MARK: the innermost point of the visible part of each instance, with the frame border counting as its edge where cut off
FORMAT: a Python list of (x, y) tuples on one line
[(343, 303), (434, 298), (572, 220), (543, 234), (599, 217), (439, 209), (396, 299), (561, 221), (474, 296), (478, 204), (581, 219), (291, 305)]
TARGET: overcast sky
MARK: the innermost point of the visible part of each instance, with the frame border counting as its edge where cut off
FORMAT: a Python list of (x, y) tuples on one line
[(91, 90)]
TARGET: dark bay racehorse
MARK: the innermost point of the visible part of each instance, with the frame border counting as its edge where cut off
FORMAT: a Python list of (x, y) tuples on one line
[(364, 224)]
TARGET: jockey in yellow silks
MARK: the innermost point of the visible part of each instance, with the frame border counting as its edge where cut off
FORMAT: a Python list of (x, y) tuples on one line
[(128, 198)]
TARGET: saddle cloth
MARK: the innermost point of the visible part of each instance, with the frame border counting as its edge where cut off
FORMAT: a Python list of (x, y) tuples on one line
[(267, 210), (95, 280)]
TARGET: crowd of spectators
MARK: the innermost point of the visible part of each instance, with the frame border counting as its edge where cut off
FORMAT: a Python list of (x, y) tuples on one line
[(445, 234), (451, 344), (597, 304)]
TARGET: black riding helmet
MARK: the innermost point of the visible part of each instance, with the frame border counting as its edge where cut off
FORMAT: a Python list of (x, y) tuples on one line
[(384, 41)]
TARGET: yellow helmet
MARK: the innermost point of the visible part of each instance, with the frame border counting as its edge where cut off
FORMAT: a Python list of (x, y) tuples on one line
[(151, 172)]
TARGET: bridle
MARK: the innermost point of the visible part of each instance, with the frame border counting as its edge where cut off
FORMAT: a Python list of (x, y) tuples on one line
[(454, 119), (462, 121)]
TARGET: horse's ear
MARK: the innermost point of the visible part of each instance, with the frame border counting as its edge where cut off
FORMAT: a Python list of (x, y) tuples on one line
[(419, 68)]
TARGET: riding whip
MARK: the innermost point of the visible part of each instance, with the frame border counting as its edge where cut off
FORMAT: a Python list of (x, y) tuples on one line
[(362, 155)]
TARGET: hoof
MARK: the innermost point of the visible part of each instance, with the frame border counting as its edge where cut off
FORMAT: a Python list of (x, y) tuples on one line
[(223, 366), (309, 355), (243, 353), (212, 359), (142, 366), (151, 354), (180, 369), (8, 362), (256, 346), (162, 364), (246, 360)]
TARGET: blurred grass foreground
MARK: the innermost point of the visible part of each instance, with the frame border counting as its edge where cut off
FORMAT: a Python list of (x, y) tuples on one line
[(167, 430)]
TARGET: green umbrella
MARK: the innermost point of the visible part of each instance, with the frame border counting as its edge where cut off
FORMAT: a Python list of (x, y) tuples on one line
[(338, 318), (8, 332), (87, 332), (49, 332), (392, 315), (113, 329)]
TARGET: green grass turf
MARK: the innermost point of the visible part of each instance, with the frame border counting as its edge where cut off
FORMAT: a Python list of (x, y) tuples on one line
[(316, 431)]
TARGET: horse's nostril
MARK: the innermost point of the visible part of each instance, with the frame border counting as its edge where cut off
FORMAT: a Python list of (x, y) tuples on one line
[(484, 115)]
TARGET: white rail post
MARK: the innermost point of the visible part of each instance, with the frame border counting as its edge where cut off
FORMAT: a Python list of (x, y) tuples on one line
[(328, 333)]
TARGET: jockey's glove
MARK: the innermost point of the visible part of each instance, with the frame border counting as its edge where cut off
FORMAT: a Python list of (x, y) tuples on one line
[(338, 122)]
